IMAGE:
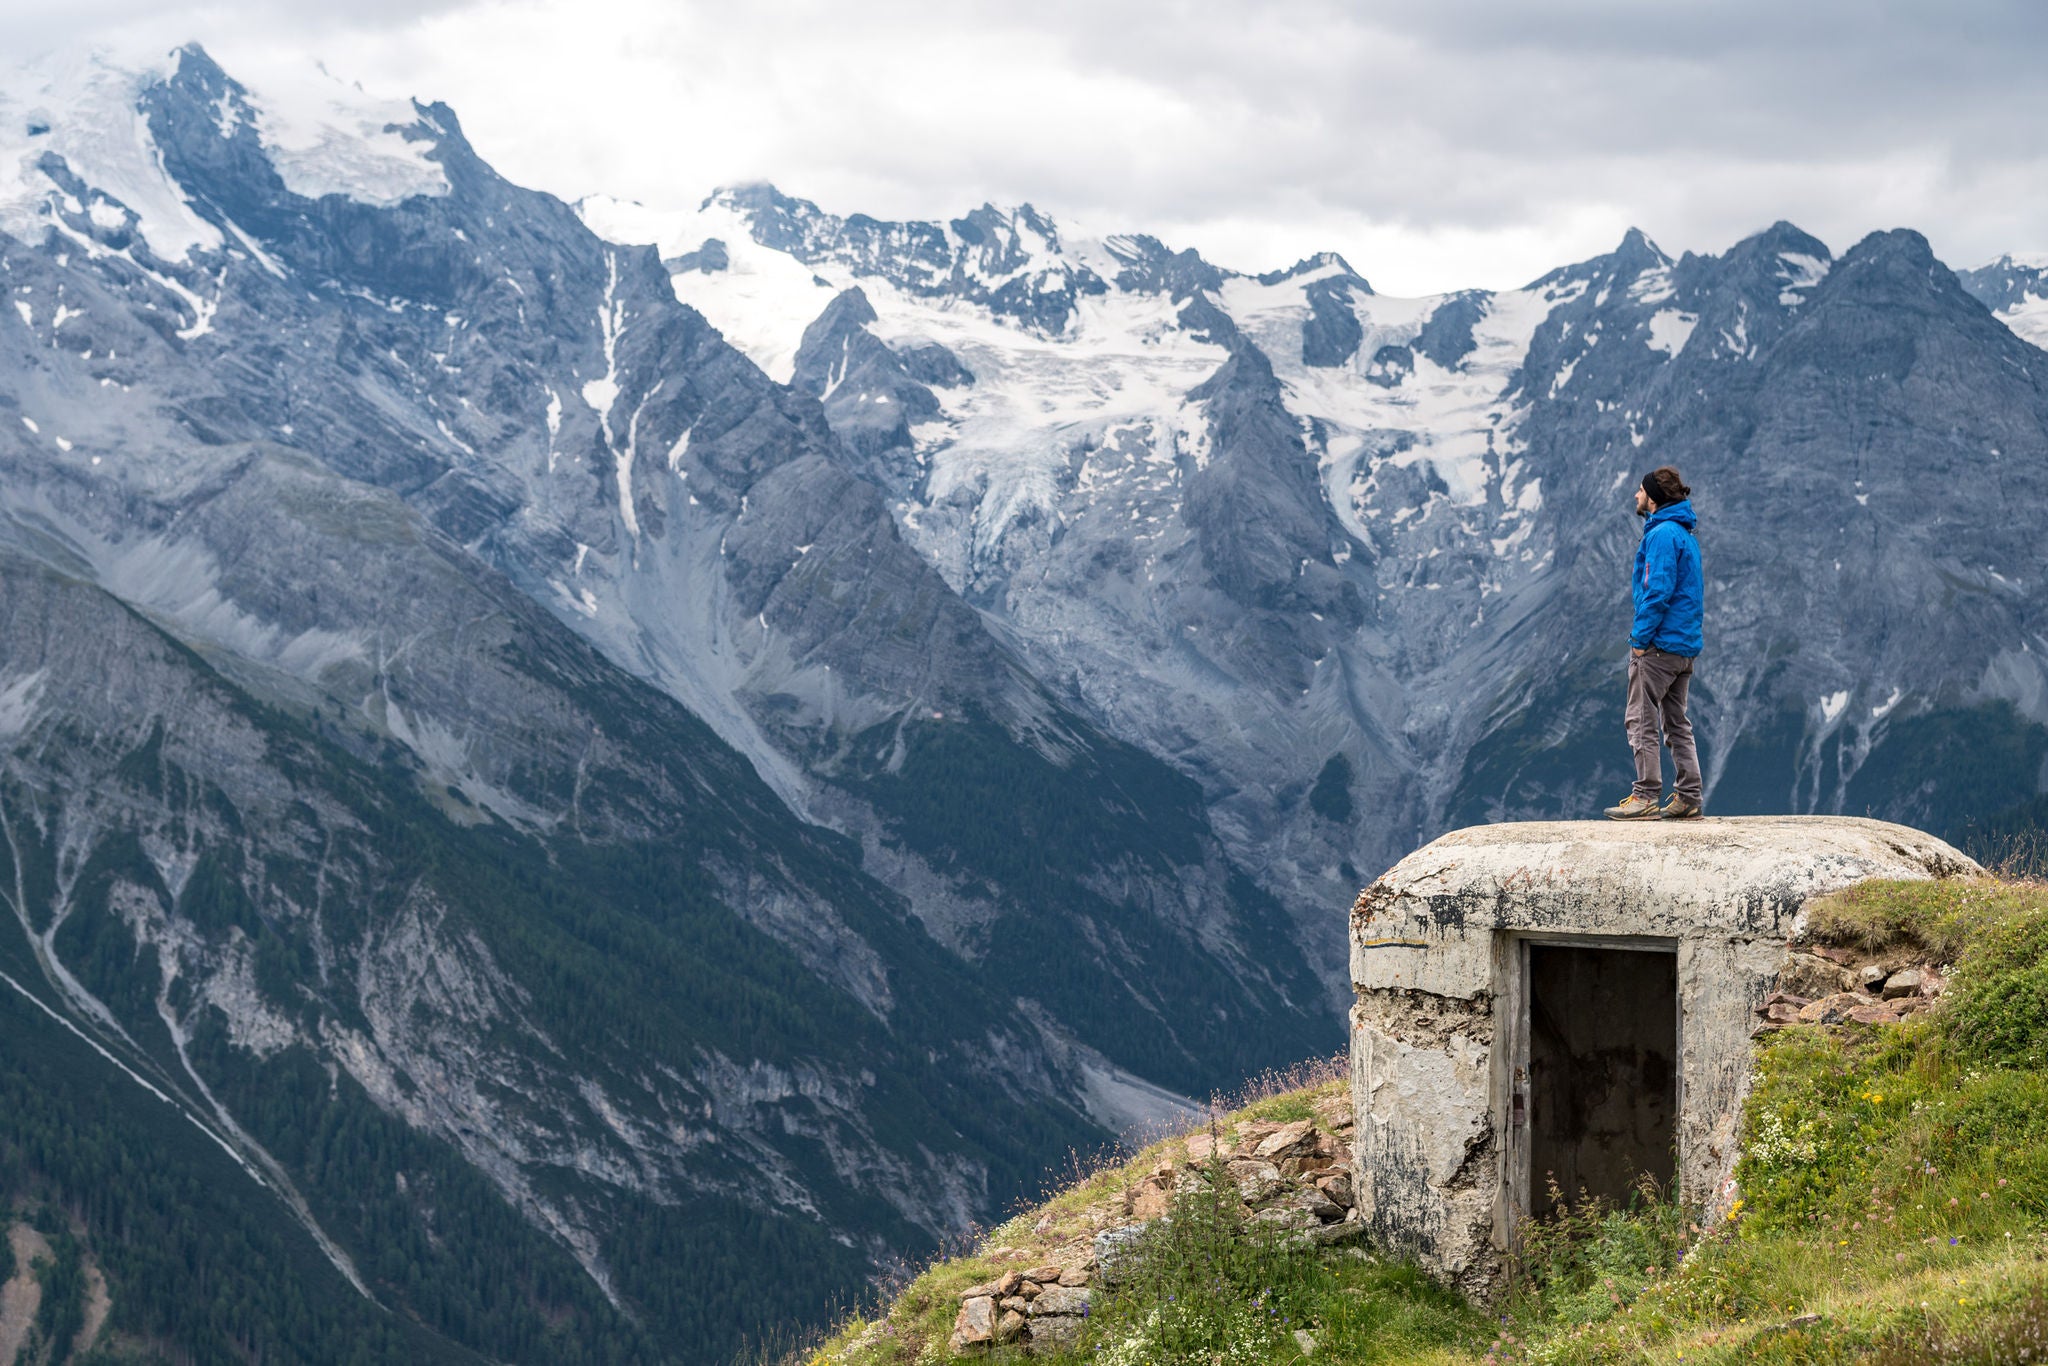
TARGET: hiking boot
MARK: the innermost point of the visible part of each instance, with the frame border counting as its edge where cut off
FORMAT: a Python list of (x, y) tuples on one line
[(1634, 809), (1681, 809)]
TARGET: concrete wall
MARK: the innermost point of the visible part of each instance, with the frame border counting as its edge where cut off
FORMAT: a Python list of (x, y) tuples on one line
[(1435, 951)]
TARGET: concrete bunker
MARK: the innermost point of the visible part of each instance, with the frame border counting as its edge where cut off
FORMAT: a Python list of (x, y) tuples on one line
[(1573, 1002)]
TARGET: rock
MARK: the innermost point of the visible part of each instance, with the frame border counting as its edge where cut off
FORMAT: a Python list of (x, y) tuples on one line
[(1338, 1189), (994, 1289), (1336, 1113), (1287, 1218), (1203, 1147), (975, 1325), (1061, 1299), (1289, 1140), (1325, 1209), (1256, 1181), (1882, 1013), (1056, 1333), (1809, 975), (1870, 976), (1014, 1302), (1323, 1150), (1116, 1250), (1841, 957), (1905, 982), (1148, 1199), (1834, 1009), (1803, 1321), (1030, 1290), (1782, 1012), (1045, 1274), (1338, 1235), (1074, 1275), (1010, 1326), (1304, 1340)]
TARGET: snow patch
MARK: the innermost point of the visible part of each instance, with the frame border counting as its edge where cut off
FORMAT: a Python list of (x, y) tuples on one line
[(1801, 272), (1670, 330), (2028, 319), (18, 700)]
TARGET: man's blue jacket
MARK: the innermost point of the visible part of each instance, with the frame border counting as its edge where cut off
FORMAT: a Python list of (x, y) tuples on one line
[(1670, 590)]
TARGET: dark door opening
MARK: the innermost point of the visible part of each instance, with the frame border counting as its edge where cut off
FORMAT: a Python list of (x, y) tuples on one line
[(1603, 1071)]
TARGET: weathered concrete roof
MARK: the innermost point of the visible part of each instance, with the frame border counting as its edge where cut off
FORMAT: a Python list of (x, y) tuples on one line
[(1728, 877)]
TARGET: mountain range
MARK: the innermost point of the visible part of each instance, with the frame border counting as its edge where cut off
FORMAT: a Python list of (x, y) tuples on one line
[(577, 780)]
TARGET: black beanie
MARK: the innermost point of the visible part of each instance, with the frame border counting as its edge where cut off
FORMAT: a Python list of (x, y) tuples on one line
[(1664, 486)]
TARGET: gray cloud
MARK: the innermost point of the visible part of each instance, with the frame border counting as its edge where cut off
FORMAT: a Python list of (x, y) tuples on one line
[(1462, 142)]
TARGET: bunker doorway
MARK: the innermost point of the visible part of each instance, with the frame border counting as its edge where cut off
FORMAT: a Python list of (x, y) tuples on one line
[(1602, 1037)]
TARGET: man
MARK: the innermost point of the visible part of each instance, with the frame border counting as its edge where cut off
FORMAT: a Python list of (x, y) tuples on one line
[(1670, 593)]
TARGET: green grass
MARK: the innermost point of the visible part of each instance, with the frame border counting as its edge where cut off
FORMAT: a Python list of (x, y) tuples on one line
[(1894, 1209)]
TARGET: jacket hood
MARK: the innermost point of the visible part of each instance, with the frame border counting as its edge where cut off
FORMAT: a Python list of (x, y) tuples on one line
[(1679, 512)]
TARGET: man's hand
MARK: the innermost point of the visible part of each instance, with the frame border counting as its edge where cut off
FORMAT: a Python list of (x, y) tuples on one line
[(1637, 651)]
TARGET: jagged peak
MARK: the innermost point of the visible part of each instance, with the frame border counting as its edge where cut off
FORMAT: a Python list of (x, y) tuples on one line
[(1895, 256), (1328, 261), (193, 58), (1636, 246), (849, 308), (1778, 240), (1631, 257), (760, 196), (1893, 244)]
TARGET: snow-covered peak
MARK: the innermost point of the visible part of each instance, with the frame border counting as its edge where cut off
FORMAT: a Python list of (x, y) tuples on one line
[(760, 298), (84, 108), (325, 136), (2015, 288), (90, 111)]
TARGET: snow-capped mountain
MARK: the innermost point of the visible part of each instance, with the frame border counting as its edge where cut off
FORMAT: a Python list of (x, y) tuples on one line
[(2016, 289), (446, 684), (1306, 539)]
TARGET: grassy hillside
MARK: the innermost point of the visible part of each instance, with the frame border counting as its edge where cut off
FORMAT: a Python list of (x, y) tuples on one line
[(1894, 1209)]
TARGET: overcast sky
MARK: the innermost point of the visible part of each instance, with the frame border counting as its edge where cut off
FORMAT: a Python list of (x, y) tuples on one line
[(1437, 144)]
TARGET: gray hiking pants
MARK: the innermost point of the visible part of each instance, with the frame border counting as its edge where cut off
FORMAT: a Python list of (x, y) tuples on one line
[(1657, 684)]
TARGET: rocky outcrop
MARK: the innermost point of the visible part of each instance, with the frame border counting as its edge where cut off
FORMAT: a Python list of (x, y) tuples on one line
[(1826, 985), (1291, 1178)]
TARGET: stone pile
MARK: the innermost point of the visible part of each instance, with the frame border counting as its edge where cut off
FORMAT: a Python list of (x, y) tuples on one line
[(1042, 1306), (1822, 985), (1294, 1177)]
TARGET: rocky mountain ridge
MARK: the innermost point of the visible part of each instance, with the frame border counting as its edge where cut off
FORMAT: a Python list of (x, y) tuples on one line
[(1354, 561)]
